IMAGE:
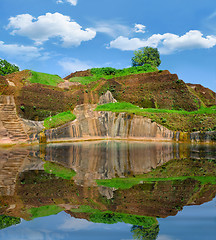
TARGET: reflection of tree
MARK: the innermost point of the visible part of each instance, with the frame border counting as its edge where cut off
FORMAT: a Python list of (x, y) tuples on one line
[(7, 221), (142, 233)]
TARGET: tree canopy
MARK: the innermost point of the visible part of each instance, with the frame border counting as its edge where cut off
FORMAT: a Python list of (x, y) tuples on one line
[(7, 68), (146, 55)]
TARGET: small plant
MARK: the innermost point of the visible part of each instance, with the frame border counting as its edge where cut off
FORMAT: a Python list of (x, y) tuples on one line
[(22, 108), (86, 90)]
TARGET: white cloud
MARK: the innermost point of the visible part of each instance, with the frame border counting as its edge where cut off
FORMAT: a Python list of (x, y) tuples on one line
[(48, 26), (139, 28), (111, 28), (20, 51), (72, 2), (73, 65), (166, 43)]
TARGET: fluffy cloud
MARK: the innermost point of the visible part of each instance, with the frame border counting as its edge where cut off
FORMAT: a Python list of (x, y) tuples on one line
[(166, 43), (72, 2), (72, 65), (20, 51), (50, 26), (111, 28), (139, 28)]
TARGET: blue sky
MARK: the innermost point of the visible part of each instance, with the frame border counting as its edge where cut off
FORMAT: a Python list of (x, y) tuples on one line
[(62, 36)]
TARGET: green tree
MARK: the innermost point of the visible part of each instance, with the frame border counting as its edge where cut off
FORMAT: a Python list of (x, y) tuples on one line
[(7, 68), (146, 55)]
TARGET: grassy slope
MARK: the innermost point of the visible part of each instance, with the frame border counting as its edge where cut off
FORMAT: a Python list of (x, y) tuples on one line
[(59, 119), (176, 120), (44, 211), (110, 217), (181, 169), (45, 78), (109, 73)]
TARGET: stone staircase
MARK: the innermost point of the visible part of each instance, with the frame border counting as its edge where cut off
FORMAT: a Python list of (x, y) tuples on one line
[(10, 125)]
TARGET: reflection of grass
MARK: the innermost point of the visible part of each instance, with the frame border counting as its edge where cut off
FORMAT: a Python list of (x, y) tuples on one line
[(126, 183), (181, 169), (59, 119), (45, 78), (110, 217), (59, 171), (44, 211)]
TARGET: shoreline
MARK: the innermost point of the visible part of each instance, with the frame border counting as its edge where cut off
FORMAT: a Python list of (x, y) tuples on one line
[(68, 140)]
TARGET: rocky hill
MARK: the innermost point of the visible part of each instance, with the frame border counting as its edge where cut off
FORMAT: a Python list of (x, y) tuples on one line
[(38, 95)]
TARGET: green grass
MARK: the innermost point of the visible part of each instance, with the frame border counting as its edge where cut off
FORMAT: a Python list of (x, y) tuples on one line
[(109, 217), (126, 183), (59, 171), (109, 73), (59, 119), (45, 78), (130, 108), (44, 211)]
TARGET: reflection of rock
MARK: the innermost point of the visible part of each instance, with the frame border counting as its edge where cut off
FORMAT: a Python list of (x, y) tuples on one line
[(108, 159), (106, 191), (107, 98)]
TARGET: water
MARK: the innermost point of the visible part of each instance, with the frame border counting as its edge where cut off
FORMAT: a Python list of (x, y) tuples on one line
[(39, 202)]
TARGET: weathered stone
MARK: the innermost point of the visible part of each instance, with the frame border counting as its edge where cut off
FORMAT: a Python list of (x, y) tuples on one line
[(107, 98), (92, 124)]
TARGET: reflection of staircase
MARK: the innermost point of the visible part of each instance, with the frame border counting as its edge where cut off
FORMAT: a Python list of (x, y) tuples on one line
[(11, 163), (10, 125)]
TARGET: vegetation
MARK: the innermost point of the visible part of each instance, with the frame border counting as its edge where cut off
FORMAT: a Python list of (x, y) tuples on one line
[(142, 233), (108, 73), (181, 169), (44, 211), (7, 68), (59, 170), (110, 217), (146, 55), (59, 119), (7, 221), (203, 119), (45, 78)]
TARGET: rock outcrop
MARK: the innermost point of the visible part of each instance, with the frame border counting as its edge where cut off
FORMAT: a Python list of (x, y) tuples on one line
[(107, 98), (91, 124)]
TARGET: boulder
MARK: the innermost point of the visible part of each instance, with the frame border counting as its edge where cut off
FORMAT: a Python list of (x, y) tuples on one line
[(107, 98)]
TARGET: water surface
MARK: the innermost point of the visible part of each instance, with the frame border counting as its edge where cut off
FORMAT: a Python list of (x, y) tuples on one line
[(108, 190)]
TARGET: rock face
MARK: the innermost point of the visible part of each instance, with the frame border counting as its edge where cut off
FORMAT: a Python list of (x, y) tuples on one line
[(91, 124), (11, 128), (107, 98)]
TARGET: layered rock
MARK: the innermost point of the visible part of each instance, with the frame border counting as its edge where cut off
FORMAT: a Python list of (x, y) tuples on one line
[(91, 124)]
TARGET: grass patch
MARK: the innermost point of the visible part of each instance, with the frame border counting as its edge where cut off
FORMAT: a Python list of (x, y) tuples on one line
[(59, 171), (130, 108), (45, 78), (109, 217), (59, 119), (44, 211), (204, 119), (109, 73), (126, 183)]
